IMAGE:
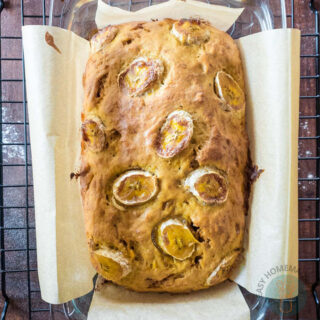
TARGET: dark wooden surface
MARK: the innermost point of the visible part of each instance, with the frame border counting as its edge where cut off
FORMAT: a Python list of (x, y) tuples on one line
[(17, 288)]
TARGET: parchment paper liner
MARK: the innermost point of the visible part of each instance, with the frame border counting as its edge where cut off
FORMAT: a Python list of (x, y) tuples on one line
[(271, 63)]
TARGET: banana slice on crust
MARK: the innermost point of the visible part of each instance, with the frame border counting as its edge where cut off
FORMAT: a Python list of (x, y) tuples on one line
[(219, 271), (93, 134), (113, 264), (175, 134), (229, 91), (135, 187), (103, 37), (140, 75), (190, 31), (208, 185), (175, 239)]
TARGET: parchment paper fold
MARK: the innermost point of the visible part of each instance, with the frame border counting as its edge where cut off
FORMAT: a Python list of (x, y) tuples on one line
[(54, 104), (219, 16), (222, 302)]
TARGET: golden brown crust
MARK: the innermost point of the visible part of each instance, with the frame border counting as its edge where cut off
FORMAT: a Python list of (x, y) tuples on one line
[(131, 126)]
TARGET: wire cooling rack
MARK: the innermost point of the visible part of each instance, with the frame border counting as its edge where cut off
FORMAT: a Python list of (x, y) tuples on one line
[(19, 283)]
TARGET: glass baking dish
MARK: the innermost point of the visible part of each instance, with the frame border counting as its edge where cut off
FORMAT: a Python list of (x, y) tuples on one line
[(259, 15)]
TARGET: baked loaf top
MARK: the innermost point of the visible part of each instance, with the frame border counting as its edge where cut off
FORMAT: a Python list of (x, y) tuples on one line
[(164, 155)]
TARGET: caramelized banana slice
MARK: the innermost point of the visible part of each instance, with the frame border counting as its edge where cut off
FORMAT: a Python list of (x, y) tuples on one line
[(117, 205), (141, 74), (217, 274), (113, 264), (103, 37), (207, 185), (175, 239), (190, 32), (228, 90), (175, 134), (135, 187), (93, 134)]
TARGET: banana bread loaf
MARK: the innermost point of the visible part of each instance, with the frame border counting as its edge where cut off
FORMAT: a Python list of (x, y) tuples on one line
[(164, 155)]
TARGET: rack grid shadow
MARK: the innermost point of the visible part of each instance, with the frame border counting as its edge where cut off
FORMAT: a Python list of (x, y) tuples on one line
[(19, 281)]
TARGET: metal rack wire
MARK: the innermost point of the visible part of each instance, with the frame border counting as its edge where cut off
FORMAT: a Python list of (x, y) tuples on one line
[(34, 308), (316, 157)]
